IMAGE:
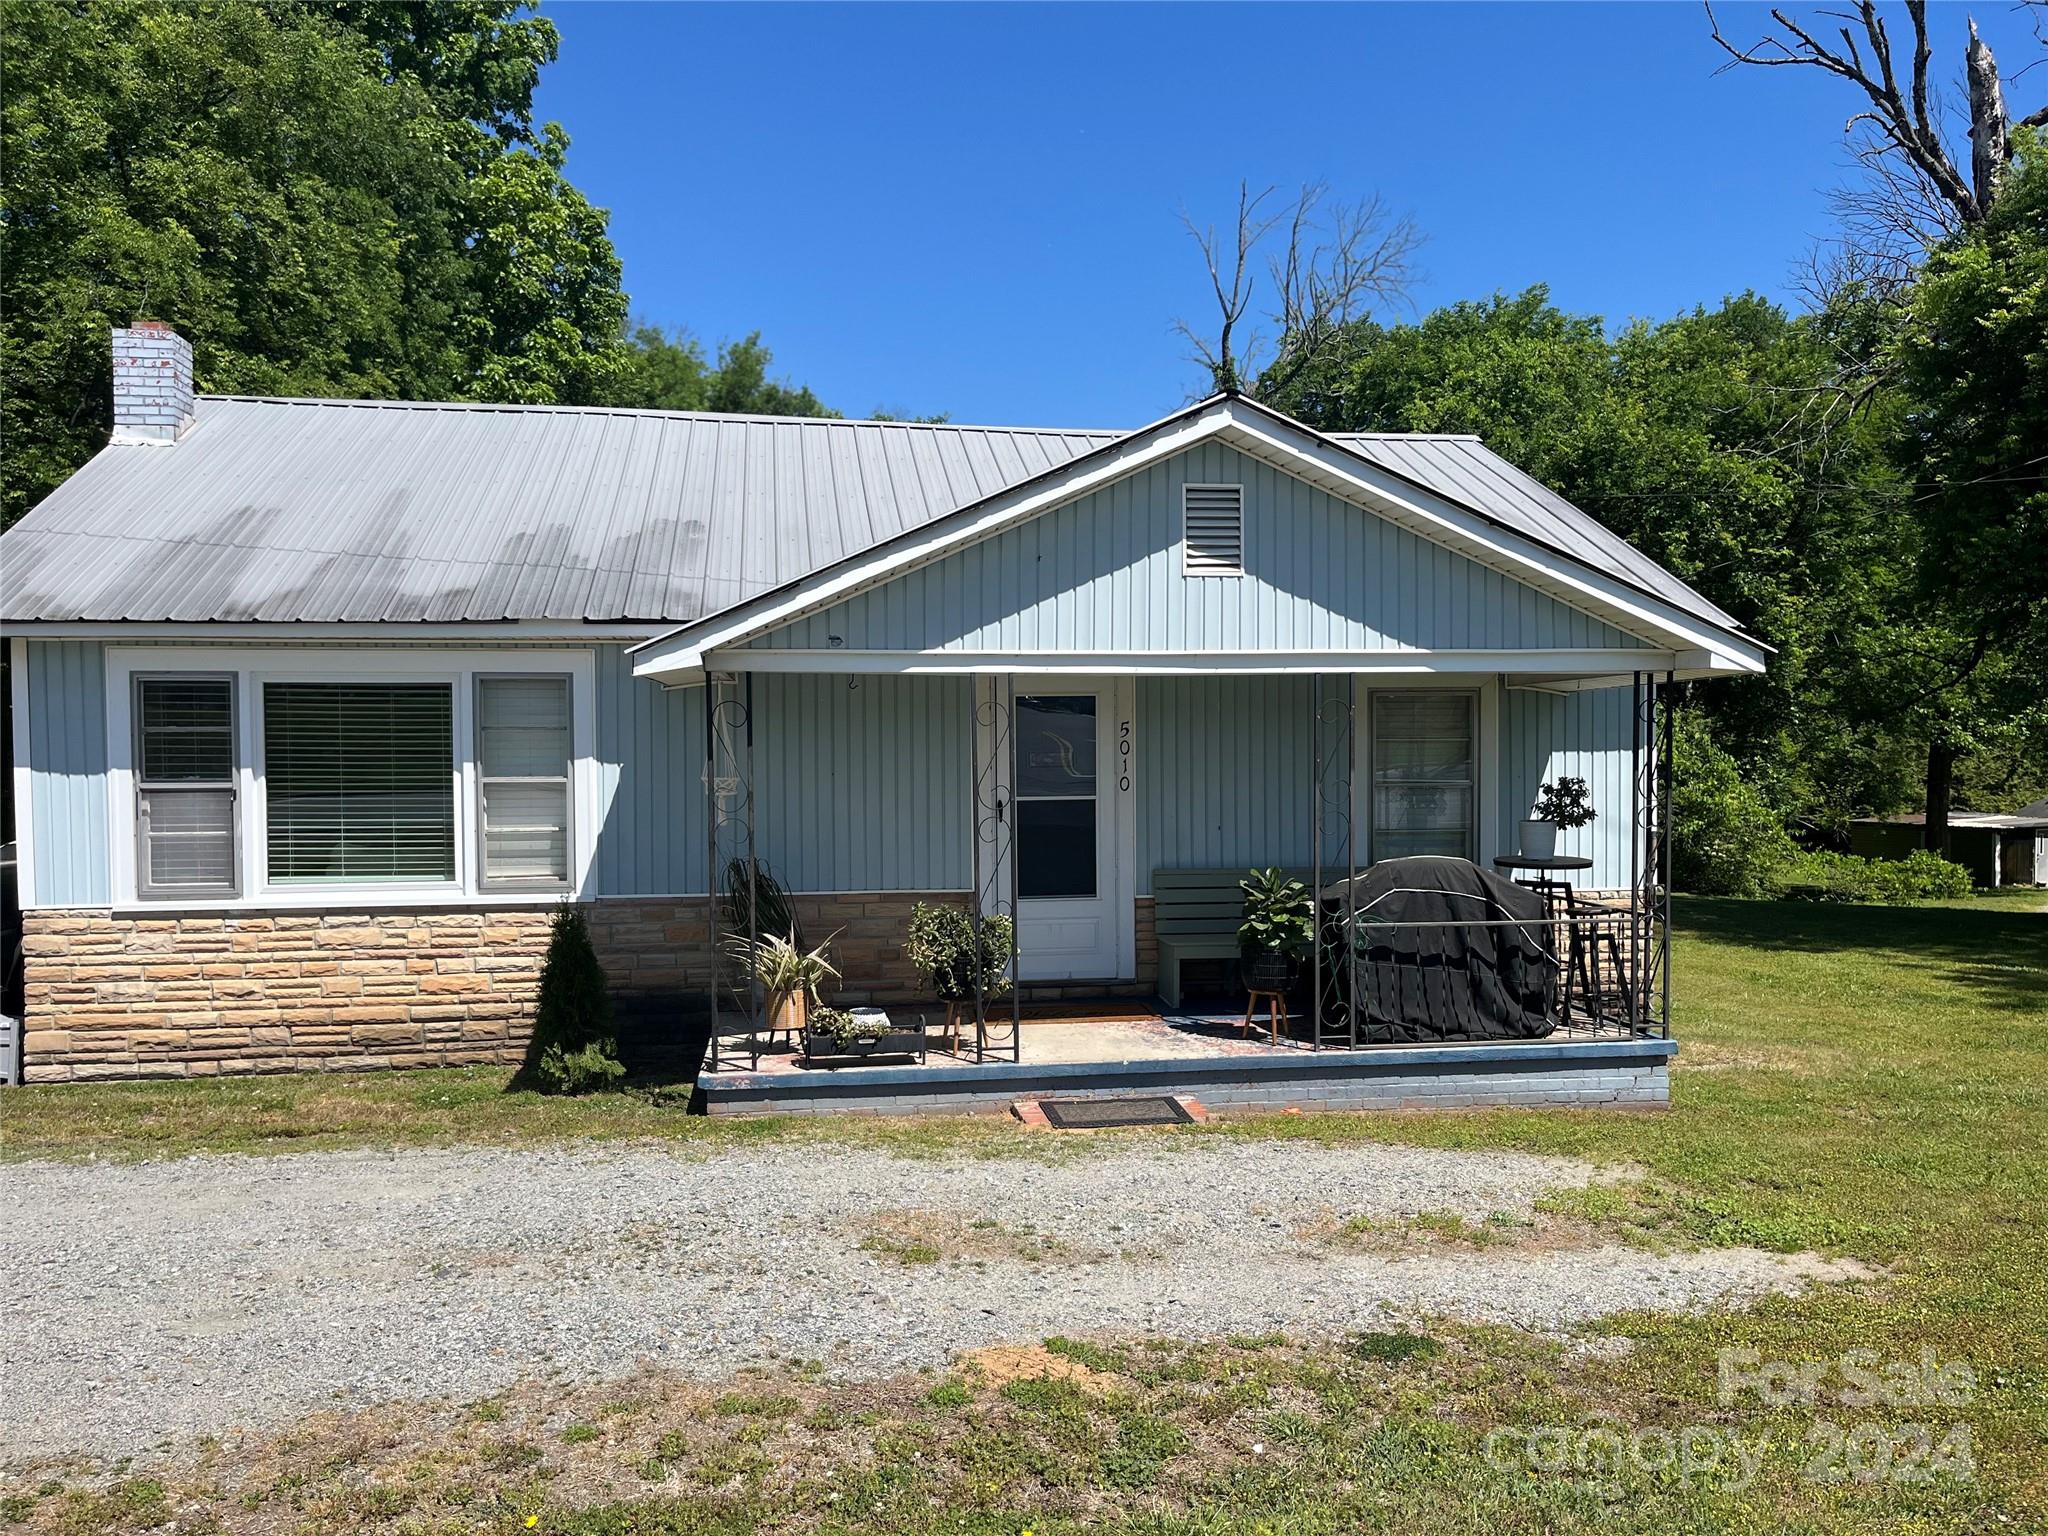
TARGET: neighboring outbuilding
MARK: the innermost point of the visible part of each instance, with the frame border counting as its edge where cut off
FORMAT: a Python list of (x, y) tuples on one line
[(1996, 849)]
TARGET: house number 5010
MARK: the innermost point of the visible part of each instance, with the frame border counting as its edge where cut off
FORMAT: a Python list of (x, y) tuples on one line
[(1123, 756)]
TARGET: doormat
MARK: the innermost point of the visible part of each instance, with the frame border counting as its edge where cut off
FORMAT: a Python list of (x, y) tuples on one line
[(1104, 1114)]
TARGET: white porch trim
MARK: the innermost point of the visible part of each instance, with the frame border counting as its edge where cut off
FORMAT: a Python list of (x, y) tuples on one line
[(1567, 664)]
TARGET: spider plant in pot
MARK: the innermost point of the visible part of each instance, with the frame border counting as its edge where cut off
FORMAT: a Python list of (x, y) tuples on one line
[(1560, 804), (1278, 928), (788, 975)]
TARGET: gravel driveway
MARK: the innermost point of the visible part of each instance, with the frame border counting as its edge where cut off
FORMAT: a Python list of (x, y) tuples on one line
[(156, 1301)]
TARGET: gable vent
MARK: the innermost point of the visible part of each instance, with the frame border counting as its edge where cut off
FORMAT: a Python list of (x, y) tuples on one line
[(1212, 530)]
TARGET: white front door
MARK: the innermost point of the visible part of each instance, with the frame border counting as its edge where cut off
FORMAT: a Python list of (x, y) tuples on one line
[(1063, 780)]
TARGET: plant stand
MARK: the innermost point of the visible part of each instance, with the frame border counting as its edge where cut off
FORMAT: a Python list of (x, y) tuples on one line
[(959, 1014), (1276, 1013)]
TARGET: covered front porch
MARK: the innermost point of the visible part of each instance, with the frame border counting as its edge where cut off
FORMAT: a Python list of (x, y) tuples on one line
[(1097, 812), (1079, 710)]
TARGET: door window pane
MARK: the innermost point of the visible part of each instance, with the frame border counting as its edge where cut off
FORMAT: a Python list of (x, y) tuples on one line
[(359, 780), (1423, 780), (1056, 745), (185, 785), (523, 777), (1055, 848)]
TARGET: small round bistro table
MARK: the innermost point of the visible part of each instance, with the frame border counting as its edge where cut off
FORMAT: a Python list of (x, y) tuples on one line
[(1559, 863), (1556, 893)]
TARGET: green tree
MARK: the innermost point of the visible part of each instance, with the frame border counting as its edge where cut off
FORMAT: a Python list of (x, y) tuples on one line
[(1698, 440), (1973, 356), (667, 371), (326, 199)]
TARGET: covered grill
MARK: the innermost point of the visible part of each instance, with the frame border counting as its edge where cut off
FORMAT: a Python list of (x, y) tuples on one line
[(1444, 950)]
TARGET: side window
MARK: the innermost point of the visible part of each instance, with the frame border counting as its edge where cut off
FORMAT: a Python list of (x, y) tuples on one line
[(1424, 774), (522, 765), (185, 786)]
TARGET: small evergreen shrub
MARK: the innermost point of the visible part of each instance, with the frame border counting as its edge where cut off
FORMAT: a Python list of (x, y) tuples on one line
[(572, 1049), (1567, 802)]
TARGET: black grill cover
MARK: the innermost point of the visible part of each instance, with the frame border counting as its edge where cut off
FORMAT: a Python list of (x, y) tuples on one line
[(1463, 981)]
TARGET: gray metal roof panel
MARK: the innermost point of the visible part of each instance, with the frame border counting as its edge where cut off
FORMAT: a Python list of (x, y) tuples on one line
[(1467, 471), (370, 511)]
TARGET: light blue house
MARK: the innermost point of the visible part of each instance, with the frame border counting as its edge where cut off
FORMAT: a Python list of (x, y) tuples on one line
[(319, 707)]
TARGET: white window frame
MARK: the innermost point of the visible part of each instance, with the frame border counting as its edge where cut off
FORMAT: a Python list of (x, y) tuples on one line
[(571, 833), (251, 668), (1485, 692), (1243, 530), (154, 895)]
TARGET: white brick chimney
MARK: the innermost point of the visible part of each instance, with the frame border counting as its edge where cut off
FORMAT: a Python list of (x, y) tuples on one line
[(152, 383)]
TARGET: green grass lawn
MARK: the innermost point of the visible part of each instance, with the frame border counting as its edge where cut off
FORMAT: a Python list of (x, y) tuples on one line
[(1867, 1082)]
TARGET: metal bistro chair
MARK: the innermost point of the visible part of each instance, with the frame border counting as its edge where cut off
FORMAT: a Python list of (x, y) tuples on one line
[(1595, 978)]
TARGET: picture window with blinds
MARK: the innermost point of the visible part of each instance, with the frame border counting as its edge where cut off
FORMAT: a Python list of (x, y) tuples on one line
[(185, 786), (359, 783), (523, 761), (1212, 530)]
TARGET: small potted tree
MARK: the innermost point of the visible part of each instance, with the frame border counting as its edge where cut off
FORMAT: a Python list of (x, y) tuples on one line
[(788, 975), (1560, 804), (1278, 928), (941, 943)]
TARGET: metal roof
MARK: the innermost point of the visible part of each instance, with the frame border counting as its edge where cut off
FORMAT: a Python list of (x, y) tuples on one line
[(1468, 472), (386, 512)]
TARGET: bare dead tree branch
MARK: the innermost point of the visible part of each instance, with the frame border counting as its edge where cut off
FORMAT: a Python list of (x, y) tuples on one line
[(1234, 295), (1339, 260), (1904, 126)]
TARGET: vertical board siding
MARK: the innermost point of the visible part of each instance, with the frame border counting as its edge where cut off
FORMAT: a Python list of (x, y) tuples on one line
[(1580, 735), (1104, 574), (650, 769), (864, 783), (1224, 773), (862, 788), (67, 758), (860, 784)]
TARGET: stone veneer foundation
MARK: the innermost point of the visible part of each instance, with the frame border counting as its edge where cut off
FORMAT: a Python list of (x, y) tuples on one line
[(192, 994)]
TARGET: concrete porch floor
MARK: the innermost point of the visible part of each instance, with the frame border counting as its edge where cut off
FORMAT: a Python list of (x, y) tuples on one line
[(1112, 1032)]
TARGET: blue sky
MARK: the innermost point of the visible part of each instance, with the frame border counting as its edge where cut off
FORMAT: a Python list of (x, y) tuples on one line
[(976, 209)]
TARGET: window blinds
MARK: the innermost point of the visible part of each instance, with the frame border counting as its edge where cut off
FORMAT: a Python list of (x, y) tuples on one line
[(359, 781)]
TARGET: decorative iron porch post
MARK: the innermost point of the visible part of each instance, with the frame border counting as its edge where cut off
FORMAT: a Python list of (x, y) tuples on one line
[(995, 863), (729, 837), (1333, 745)]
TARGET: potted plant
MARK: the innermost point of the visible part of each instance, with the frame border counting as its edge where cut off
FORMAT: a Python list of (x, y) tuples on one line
[(1561, 804), (1278, 928), (941, 942), (860, 1032), (789, 975)]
